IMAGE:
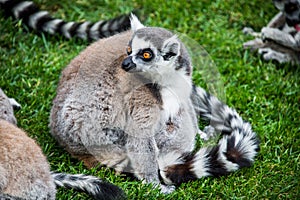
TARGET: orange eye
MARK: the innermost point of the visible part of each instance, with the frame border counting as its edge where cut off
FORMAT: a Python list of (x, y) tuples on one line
[(147, 55), (129, 50)]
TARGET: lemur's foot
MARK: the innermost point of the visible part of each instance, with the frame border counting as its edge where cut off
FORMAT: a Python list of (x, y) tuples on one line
[(270, 54), (208, 132), (167, 189), (250, 31)]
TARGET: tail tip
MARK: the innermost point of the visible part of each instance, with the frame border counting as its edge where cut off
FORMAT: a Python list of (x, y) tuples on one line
[(109, 191)]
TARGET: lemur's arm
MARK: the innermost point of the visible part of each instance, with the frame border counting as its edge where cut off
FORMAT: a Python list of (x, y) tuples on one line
[(142, 122), (140, 145), (277, 21), (142, 152), (282, 38)]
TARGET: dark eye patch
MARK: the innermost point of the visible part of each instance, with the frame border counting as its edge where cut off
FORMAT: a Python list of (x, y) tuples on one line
[(291, 7), (167, 56), (146, 54)]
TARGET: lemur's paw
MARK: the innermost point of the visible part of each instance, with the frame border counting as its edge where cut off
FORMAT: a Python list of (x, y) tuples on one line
[(267, 54), (253, 44), (270, 54), (264, 51), (167, 189), (207, 133), (247, 30)]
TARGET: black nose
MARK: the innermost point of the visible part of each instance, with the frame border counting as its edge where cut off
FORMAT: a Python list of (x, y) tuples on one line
[(127, 64)]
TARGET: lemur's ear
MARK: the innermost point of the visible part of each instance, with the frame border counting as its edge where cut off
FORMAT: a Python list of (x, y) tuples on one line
[(135, 23), (170, 48), (14, 104)]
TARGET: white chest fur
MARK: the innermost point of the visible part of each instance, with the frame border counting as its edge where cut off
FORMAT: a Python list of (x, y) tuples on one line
[(174, 94), (171, 103)]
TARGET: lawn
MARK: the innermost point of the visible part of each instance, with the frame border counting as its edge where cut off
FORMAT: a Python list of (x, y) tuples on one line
[(264, 93)]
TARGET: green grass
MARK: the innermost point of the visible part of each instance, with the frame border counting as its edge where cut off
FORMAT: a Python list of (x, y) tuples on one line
[(265, 94)]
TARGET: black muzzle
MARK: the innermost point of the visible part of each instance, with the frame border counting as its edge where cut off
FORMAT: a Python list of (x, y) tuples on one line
[(128, 64)]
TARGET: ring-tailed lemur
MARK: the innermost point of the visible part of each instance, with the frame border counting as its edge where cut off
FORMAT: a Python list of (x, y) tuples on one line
[(280, 40), (42, 21), (138, 112), (25, 172)]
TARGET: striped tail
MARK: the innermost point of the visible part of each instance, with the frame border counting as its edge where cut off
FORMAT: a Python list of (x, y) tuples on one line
[(91, 185), (237, 147), (42, 21)]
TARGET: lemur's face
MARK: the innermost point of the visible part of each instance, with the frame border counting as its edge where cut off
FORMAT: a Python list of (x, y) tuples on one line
[(7, 107), (151, 50), (291, 9), (156, 53)]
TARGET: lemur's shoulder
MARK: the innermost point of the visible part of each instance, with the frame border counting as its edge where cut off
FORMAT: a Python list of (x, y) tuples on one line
[(99, 54)]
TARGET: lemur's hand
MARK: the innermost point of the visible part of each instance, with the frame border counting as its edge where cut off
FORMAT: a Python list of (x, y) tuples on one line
[(250, 31), (253, 44)]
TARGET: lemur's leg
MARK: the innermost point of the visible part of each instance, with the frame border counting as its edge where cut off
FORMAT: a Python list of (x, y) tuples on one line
[(270, 54), (282, 38), (254, 44), (277, 21), (142, 153)]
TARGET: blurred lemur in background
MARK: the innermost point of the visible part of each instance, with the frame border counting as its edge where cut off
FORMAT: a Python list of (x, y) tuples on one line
[(280, 39), (25, 171)]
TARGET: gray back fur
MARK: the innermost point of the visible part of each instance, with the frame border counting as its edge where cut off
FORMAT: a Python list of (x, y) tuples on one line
[(24, 170)]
